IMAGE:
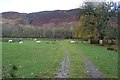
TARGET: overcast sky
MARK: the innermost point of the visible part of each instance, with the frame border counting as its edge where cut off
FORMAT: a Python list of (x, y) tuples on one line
[(28, 6)]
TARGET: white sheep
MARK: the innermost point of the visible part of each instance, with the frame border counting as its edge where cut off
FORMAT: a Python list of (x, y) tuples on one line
[(100, 42), (20, 66), (20, 38), (9, 40), (20, 42), (72, 41), (35, 39), (38, 41)]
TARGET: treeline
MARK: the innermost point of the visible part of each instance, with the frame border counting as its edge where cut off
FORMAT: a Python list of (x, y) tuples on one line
[(27, 31), (98, 21)]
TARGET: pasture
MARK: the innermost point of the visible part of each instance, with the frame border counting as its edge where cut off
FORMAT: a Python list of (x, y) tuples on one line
[(43, 60)]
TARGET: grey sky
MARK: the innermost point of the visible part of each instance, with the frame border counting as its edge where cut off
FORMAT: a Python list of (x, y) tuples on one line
[(28, 6)]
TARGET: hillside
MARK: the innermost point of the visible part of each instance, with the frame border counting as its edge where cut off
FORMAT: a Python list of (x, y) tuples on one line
[(58, 23), (41, 18)]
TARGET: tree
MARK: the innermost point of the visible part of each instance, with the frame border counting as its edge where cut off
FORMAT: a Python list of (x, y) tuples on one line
[(94, 21)]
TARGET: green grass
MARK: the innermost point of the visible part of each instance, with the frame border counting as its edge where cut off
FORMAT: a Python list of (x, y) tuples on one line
[(77, 65), (106, 61), (43, 60)]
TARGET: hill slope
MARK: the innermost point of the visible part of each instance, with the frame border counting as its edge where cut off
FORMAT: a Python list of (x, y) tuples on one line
[(41, 18)]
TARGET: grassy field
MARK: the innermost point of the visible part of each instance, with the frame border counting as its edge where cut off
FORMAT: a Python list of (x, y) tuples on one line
[(40, 59), (106, 61), (31, 59)]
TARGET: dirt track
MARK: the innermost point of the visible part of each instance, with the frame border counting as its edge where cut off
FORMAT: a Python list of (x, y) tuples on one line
[(65, 66), (91, 69)]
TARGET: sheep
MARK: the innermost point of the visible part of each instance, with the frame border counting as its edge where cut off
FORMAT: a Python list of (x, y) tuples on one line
[(9, 40), (35, 39), (101, 42), (96, 69), (23, 77), (20, 42), (20, 38), (20, 66), (72, 41), (87, 71), (38, 41)]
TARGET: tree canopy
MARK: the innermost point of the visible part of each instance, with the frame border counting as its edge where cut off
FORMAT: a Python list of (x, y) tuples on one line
[(98, 20)]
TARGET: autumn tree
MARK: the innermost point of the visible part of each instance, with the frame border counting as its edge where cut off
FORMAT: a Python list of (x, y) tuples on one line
[(94, 21), (86, 27)]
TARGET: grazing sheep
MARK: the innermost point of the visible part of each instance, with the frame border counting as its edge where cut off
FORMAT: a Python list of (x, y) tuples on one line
[(9, 40), (20, 38), (20, 66), (20, 42), (72, 41), (38, 41), (35, 39), (100, 42), (87, 71), (23, 77)]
